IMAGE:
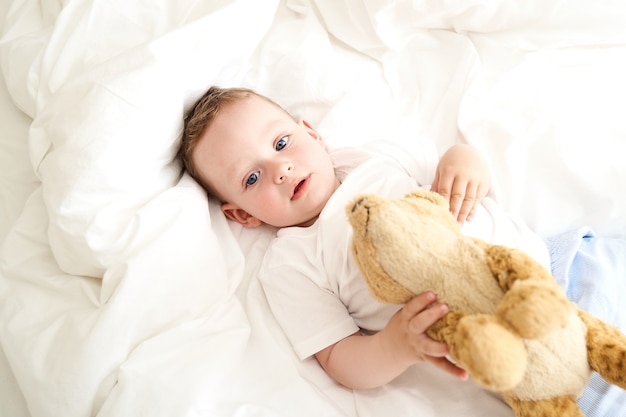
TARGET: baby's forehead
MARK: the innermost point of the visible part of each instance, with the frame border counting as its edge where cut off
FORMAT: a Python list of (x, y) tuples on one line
[(243, 125), (241, 104), (267, 102), (252, 115)]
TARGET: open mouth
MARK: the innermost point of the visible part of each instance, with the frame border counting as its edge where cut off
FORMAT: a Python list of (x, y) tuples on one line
[(300, 184), (299, 188)]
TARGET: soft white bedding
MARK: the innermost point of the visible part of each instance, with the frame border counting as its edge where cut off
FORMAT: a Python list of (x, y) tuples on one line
[(123, 292)]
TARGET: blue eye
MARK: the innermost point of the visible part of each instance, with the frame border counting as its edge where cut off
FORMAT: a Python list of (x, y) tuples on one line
[(280, 145), (252, 179)]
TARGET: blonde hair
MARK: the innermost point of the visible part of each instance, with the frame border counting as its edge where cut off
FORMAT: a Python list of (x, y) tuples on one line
[(199, 118)]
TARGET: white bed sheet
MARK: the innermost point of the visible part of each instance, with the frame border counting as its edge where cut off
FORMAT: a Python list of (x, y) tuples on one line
[(16, 183), (122, 292)]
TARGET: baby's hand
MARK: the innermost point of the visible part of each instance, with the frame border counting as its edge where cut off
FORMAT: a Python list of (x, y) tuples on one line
[(463, 178), (406, 334)]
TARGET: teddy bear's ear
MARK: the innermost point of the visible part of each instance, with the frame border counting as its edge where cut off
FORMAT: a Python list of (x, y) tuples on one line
[(430, 196), (358, 209)]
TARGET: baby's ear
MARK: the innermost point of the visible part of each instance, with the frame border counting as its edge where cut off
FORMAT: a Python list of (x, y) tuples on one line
[(239, 215), (310, 130)]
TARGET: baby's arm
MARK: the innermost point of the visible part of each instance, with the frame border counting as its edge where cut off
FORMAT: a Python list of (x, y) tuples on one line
[(363, 362), (463, 178)]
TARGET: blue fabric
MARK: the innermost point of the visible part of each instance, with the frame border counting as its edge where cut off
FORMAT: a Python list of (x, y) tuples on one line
[(592, 271)]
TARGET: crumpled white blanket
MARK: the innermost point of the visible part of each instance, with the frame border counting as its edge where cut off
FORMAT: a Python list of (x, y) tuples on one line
[(123, 292)]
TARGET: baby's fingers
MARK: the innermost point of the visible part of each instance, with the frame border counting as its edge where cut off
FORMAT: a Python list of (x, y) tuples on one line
[(431, 349), (422, 321), (464, 200), (466, 210), (481, 192), (418, 303)]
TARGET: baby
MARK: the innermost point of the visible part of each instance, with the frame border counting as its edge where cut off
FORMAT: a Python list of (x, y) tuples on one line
[(267, 168)]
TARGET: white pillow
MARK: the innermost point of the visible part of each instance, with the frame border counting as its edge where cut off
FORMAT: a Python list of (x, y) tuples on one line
[(112, 94)]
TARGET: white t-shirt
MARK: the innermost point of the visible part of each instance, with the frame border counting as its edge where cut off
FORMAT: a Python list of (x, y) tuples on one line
[(312, 284)]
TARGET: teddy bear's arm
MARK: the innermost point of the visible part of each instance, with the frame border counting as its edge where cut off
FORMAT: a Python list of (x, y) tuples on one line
[(443, 330), (482, 345), (533, 303), (509, 265), (606, 349)]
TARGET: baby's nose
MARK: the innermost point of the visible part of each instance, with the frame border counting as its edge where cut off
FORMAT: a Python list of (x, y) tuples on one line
[(283, 171)]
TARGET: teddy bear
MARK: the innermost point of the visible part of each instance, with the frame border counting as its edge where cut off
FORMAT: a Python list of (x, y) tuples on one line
[(509, 324)]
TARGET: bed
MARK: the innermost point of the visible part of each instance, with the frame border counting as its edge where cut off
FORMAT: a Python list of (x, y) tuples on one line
[(124, 292)]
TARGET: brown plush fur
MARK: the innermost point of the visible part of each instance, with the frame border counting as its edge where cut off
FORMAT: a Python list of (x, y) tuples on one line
[(510, 325)]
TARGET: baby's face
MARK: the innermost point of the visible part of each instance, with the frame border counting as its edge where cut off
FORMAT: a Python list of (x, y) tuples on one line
[(265, 165)]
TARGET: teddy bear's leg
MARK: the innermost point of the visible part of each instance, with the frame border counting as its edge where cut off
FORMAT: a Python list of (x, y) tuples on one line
[(485, 347), (534, 309), (533, 304), (509, 265), (564, 406), (443, 330), (606, 349)]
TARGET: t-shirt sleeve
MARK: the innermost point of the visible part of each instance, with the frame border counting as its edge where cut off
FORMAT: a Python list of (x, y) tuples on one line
[(311, 316)]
